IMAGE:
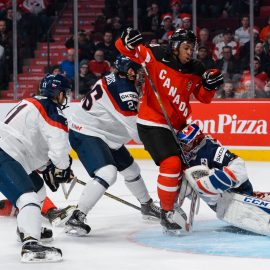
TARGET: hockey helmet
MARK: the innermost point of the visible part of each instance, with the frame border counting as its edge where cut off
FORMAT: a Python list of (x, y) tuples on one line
[(51, 85), (180, 36), (189, 134), (123, 64)]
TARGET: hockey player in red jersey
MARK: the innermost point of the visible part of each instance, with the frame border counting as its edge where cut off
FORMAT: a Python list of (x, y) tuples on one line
[(176, 76)]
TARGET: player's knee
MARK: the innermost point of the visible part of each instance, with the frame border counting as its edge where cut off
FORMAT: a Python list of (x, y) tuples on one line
[(106, 175), (171, 165), (29, 198), (132, 172)]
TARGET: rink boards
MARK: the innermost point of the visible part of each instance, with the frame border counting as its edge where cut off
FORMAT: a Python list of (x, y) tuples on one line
[(241, 125)]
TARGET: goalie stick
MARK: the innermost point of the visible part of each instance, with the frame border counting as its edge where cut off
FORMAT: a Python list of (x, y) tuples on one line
[(76, 180), (182, 156)]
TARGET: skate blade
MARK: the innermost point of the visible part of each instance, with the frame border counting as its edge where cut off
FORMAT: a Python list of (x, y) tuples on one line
[(75, 231), (41, 257), (58, 222)]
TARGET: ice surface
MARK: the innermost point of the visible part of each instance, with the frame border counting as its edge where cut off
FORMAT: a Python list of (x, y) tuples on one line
[(121, 239)]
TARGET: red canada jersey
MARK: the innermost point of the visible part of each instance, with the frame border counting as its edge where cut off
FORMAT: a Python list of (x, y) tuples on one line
[(174, 82)]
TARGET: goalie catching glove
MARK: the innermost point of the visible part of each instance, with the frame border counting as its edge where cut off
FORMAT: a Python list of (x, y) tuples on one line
[(212, 79), (131, 38), (53, 176)]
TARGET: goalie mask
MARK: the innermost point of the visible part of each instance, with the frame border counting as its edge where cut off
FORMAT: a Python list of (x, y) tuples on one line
[(190, 136)]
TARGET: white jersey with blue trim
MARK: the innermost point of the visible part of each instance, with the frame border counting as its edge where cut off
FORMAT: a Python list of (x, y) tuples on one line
[(35, 131), (109, 112)]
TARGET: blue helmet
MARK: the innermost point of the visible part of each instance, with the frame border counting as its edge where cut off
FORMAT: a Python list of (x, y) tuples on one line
[(51, 85), (123, 63)]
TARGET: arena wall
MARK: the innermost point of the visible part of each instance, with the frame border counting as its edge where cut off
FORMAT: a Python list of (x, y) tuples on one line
[(241, 125)]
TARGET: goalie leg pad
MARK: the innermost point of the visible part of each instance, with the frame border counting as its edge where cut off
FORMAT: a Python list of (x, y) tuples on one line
[(185, 191), (245, 212)]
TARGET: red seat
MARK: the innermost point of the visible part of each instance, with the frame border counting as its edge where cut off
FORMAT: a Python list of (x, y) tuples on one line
[(264, 11), (265, 3)]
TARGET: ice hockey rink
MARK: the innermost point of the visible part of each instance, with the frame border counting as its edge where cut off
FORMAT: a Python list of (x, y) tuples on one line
[(121, 239)]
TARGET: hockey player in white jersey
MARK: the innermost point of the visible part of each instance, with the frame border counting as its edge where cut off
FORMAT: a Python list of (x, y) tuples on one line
[(35, 133), (105, 121), (220, 178)]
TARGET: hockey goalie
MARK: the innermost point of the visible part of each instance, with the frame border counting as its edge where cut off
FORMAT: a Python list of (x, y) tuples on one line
[(220, 179)]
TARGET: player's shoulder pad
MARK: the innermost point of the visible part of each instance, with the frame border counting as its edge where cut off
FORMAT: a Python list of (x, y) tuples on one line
[(158, 51), (197, 67), (49, 110)]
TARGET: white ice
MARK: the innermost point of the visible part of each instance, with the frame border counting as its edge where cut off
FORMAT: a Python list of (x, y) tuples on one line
[(111, 246)]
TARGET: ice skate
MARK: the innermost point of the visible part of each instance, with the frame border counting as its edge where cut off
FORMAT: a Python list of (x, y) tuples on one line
[(46, 235), (76, 224), (173, 222), (150, 211), (32, 251), (59, 217)]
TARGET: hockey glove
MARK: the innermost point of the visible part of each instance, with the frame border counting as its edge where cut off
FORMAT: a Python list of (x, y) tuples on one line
[(212, 79), (131, 38), (48, 176), (54, 176)]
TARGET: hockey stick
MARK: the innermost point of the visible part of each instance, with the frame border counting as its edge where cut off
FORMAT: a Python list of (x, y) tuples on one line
[(72, 184), (64, 190), (182, 156), (76, 180)]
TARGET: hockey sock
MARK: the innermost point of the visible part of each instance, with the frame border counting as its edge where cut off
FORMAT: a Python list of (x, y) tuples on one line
[(135, 183), (96, 187), (138, 189), (92, 192), (47, 205), (168, 181), (29, 217)]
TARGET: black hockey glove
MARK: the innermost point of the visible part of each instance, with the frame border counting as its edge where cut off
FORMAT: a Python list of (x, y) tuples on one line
[(212, 79), (131, 38), (54, 176)]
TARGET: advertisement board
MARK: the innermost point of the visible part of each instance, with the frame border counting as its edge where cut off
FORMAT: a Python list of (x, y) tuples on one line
[(241, 125)]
